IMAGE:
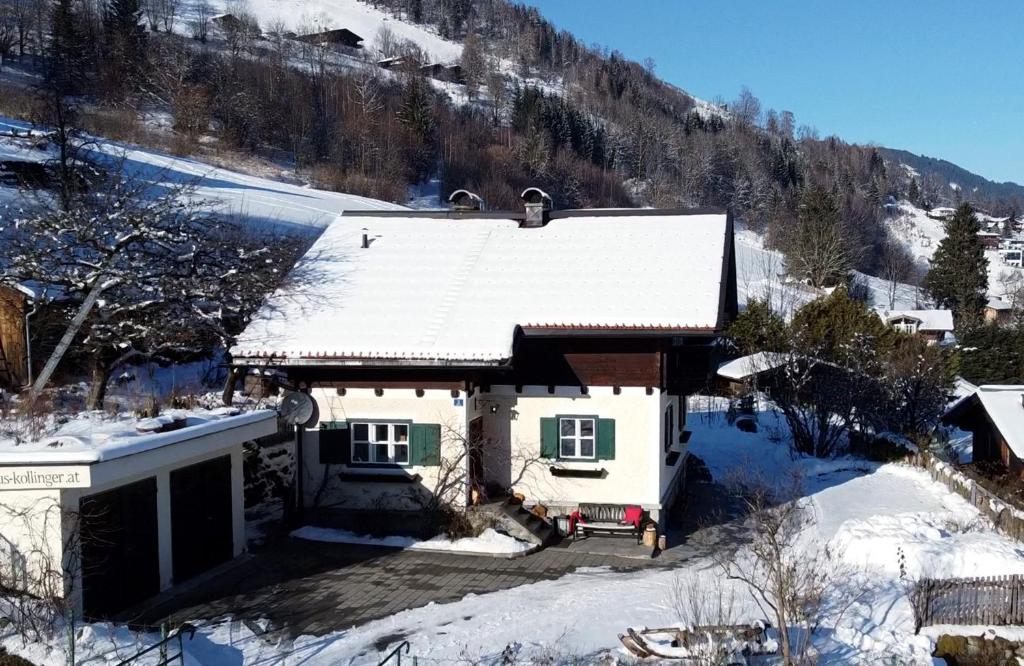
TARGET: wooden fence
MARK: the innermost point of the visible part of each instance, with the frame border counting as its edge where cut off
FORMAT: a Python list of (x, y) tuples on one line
[(1007, 518), (997, 600)]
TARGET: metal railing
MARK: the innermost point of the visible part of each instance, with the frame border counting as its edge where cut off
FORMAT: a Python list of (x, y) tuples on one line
[(396, 654), (161, 645)]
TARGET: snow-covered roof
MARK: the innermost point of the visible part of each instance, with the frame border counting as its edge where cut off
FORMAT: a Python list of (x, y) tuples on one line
[(93, 437), (997, 304), (1004, 404), (454, 289), (748, 366), (931, 320)]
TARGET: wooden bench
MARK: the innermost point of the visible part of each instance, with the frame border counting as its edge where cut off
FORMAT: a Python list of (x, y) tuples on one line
[(605, 518)]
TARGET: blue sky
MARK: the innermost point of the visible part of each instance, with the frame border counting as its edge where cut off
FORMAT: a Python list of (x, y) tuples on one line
[(941, 78)]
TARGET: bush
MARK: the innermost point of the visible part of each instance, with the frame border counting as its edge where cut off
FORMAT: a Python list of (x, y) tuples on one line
[(456, 524), (7, 659)]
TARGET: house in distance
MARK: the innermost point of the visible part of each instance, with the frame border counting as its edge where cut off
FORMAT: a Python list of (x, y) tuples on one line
[(458, 355)]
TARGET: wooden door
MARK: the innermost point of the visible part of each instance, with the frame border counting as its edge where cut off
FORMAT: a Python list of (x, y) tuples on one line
[(202, 533), (120, 556)]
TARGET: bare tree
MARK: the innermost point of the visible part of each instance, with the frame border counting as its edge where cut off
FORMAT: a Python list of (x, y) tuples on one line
[(896, 267), (796, 587), (746, 108), (174, 281), (201, 22)]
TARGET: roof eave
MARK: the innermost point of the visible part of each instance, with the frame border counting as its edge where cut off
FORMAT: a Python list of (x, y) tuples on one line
[(369, 362)]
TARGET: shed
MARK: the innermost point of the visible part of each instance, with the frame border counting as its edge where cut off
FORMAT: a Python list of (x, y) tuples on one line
[(994, 415), (13, 341), (108, 513)]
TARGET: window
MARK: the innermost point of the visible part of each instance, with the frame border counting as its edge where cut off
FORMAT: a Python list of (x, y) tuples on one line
[(577, 437), (386, 443), (670, 426)]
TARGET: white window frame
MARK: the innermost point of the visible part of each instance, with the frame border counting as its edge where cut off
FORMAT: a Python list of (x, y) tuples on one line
[(372, 441), (577, 437)]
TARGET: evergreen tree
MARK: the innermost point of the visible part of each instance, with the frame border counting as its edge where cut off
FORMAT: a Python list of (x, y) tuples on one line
[(758, 328), (65, 65), (125, 50), (913, 192), (818, 251), (958, 277)]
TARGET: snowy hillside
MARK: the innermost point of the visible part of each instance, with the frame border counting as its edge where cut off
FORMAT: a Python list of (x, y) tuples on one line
[(318, 15), (259, 201), (760, 273), (921, 234)]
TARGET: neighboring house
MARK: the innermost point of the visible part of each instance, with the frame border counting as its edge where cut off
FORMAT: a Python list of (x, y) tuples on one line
[(998, 311), (1012, 256), (449, 73), (934, 325), (339, 37), (994, 415), (990, 239), (107, 513), (459, 354)]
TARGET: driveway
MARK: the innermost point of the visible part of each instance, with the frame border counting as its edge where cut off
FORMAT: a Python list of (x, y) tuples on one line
[(314, 588)]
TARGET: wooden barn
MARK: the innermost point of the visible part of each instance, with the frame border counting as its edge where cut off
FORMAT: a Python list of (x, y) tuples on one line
[(13, 343), (994, 415), (338, 37)]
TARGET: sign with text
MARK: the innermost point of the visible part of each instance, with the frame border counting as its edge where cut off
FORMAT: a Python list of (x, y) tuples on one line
[(44, 476)]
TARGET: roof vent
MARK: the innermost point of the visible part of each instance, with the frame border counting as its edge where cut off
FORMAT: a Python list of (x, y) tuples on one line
[(466, 200), (538, 205)]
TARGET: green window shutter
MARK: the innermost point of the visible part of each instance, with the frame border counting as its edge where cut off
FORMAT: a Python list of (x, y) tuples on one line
[(549, 437), (606, 439), (425, 444), (335, 443)]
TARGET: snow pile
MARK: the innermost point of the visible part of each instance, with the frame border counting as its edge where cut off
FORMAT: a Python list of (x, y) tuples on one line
[(931, 547), (490, 542)]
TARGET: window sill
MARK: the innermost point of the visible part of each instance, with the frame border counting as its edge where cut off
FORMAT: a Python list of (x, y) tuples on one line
[(380, 474), (578, 472)]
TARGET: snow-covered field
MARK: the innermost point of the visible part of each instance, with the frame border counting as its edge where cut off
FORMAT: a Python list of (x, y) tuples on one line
[(359, 17), (867, 514)]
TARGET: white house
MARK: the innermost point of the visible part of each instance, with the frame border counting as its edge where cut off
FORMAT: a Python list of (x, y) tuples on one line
[(465, 354), (105, 515), (932, 324)]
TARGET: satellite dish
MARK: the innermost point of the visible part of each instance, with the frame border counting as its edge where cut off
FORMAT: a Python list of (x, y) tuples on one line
[(298, 409)]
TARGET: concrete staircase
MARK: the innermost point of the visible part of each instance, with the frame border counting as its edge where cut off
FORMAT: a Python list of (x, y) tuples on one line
[(515, 520)]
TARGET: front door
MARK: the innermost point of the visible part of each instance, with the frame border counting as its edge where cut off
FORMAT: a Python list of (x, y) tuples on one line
[(476, 459)]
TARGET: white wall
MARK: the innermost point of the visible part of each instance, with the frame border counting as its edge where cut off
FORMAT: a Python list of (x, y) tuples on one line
[(670, 474), (31, 540), (634, 476), (435, 406)]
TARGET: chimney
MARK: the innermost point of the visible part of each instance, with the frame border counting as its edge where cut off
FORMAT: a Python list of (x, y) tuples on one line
[(366, 241), (538, 205), (466, 200)]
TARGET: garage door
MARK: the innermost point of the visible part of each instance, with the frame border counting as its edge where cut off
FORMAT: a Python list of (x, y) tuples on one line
[(120, 562), (201, 526)]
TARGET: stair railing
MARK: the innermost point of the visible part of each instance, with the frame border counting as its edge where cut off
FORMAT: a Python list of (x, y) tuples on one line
[(396, 654)]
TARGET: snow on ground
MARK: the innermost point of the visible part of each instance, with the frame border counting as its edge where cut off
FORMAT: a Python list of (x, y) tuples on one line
[(359, 17), (260, 202), (490, 542), (867, 513), (761, 273)]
